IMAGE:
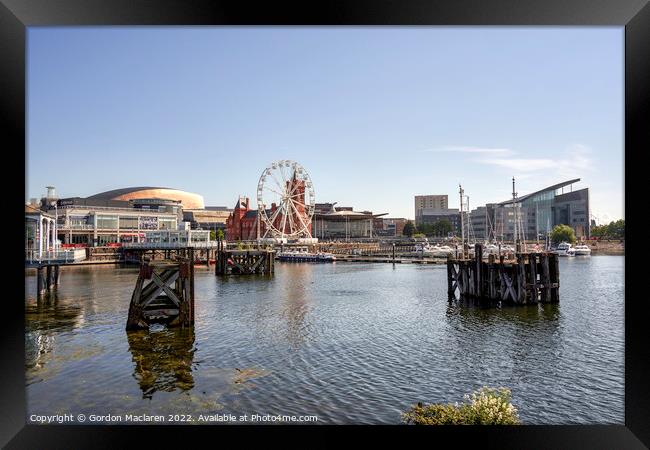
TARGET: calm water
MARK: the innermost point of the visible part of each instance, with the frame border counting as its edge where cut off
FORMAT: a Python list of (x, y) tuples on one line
[(350, 343)]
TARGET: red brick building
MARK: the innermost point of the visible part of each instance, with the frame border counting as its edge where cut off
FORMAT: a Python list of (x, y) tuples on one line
[(241, 224)]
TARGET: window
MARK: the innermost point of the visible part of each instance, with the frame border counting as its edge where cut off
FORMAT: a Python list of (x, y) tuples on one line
[(128, 223), (106, 222), (106, 238), (167, 224), (78, 221), (80, 239)]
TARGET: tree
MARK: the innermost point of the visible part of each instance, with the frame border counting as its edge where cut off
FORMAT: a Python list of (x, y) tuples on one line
[(409, 229), (616, 229), (613, 230), (213, 237), (425, 228), (220, 234), (563, 233), (599, 231), (442, 227)]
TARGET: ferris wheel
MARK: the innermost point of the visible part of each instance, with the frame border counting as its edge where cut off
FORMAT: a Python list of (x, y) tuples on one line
[(286, 200)]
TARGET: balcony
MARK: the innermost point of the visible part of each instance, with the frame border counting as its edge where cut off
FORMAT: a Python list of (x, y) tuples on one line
[(76, 226), (55, 256)]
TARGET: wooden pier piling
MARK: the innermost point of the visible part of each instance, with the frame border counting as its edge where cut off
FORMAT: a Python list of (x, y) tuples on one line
[(154, 300), (48, 277), (528, 278), (244, 262)]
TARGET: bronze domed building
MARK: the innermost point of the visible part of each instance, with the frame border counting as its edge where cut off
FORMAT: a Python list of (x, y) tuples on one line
[(188, 200)]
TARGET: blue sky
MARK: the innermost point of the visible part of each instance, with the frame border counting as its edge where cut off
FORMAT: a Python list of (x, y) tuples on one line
[(375, 114)]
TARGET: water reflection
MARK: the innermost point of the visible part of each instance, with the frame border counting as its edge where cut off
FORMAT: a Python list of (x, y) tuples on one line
[(467, 312), (296, 303), (163, 359), (48, 313)]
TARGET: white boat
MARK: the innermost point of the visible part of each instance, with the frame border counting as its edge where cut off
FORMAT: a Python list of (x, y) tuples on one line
[(302, 255), (434, 250), (565, 249), (582, 250)]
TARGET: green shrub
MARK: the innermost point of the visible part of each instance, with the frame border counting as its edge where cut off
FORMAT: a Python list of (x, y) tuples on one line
[(486, 406)]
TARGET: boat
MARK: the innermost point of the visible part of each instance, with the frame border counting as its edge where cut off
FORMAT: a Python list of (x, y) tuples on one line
[(301, 254), (434, 250), (582, 250), (565, 249)]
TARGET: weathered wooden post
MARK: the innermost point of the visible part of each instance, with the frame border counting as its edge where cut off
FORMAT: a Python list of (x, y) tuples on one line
[(545, 278), (48, 279), (521, 279), (40, 282), (502, 281), (555, 277), (491, 278), (532, 263), (450, 281), (157, 301), (466, 280), (478, 280)]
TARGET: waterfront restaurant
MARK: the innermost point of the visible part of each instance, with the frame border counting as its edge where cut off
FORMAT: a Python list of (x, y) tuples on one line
[(330, 222), (174, 238), (119, 216)]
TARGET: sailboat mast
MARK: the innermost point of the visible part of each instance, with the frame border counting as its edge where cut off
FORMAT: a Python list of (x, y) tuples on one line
[(514, 210), (462, 222)]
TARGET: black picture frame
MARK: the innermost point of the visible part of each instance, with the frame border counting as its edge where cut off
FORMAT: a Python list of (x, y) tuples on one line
[(634, 15)]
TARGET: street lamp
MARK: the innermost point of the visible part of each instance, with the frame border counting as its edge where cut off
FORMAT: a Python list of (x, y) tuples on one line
[(56, 223)]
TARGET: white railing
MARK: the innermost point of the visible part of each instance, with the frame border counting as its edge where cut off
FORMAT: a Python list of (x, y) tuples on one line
[(58, 256), (76, 226), (211, 244)]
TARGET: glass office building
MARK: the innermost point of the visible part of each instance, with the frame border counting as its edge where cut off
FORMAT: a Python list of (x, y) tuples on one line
[(537, 213)]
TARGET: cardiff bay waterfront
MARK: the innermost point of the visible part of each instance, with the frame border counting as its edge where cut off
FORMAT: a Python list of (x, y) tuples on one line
[(333, 225)]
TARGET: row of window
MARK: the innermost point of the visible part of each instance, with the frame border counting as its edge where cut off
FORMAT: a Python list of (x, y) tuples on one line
[(126, 223)]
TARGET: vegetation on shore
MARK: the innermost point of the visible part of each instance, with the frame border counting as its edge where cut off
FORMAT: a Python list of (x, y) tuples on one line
[(563, 233), (441, 228), (613, 230), (487, 406)]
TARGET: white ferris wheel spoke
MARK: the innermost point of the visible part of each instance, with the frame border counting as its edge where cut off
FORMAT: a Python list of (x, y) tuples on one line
[(299, 215), (284, 220), (272, 190), (273, 217), (282, 188), (292, 225)]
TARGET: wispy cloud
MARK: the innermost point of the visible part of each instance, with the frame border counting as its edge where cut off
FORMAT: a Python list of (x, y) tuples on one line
[(466, 149), (575, 164)]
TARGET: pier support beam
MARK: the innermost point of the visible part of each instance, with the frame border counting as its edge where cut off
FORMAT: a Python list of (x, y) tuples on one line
[(506, 280), (154, 300), (40, 282)]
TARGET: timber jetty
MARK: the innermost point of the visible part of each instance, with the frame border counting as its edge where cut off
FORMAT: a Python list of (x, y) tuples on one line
[(522, 278), (243, 262), (164, 292)]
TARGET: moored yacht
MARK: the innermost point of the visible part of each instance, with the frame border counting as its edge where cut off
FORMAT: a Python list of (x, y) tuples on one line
[(301, 254), (565, 249), (582, 250)]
